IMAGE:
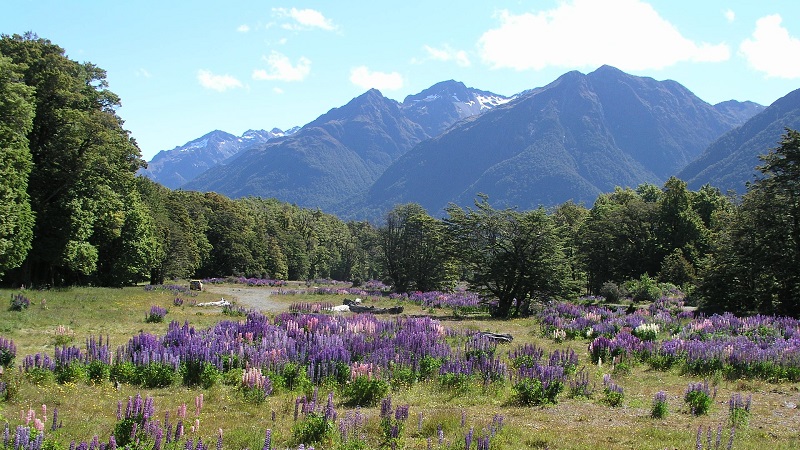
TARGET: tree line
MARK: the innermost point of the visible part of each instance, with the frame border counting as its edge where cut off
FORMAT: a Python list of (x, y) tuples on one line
[(73, 211)]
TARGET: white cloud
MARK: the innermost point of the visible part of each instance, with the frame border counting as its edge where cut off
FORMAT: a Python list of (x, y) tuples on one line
[(730, 15), (628, 34), (281, 69), (244, 28), (142, 72), (363, 77), (304, 19), (277, 90), (772, 50), (219, 83), (446, 53)]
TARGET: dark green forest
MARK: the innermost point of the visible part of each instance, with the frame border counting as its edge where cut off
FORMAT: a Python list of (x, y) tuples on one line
[(73, 212)]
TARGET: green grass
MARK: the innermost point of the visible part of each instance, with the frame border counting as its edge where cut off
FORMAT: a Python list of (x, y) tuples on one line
[(87, 409)]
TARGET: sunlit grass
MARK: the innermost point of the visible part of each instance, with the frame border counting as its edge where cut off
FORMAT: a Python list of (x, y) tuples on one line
[(89, 409)]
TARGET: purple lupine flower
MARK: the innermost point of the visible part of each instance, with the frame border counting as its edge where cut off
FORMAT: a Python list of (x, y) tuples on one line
[(267, 440)]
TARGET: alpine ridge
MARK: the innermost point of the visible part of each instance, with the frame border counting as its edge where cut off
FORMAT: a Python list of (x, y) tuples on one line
[(579, 136)]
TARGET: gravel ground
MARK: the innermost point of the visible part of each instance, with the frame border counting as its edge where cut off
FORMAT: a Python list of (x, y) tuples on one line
[(257, 298)]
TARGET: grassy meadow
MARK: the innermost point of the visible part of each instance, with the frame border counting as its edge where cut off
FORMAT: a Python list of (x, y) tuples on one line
[(86, 408)]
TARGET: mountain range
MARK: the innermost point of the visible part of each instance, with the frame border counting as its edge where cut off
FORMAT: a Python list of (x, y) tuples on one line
[(574, 138)]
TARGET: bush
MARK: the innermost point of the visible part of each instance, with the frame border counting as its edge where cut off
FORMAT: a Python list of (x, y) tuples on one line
[(611, 292), (698, 398), (313, 429), (70, 373), (739, 409), (98, 371), (124, 373), (156, 314), (660, 407), (363, 391), (292, 377), (532, 392), (645, 289), (156, 375), (614, 394), (19, 302), (8, 351), (199, 373)]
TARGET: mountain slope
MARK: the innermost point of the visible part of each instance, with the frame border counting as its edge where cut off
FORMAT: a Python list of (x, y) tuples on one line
[(572, 139), (730, 162), (175, 167), (340, 154), (335, 156)]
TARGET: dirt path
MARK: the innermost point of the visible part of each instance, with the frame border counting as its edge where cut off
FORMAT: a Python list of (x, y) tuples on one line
[(257, 298)]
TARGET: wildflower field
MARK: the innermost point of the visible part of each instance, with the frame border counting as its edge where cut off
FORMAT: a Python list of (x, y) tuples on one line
[(145, 368)]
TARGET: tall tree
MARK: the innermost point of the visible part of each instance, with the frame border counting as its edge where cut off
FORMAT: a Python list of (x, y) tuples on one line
[(755, 266), (618, 238), (16, 121), (414, 247), (84, 163), (514, 257)]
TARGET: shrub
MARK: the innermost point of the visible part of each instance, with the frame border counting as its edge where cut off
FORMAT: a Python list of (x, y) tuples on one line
[(698, 398), (19, 302), (645, 289), (155, 375), (8, 351), (363, 391), (614, 393), (156, 314), (429, 367), (611, 292), (70, 372), (255, 386), (98, 371), (739, 409), (580, 386), (660, 407), (292, 377), (125, 372), (199, 373), (312, 429)]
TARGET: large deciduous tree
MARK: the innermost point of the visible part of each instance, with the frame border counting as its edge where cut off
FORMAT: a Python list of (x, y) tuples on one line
[(16, 121), (514, 257), (83, 171), (755, 263), (415, 250)]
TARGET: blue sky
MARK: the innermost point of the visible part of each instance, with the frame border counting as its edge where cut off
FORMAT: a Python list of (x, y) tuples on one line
[(184, 68)]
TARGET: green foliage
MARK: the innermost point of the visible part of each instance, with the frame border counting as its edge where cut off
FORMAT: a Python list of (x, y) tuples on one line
[(70, 373), (16, 217), (314, 428), (415, 250), (125, 372), (98, 371), (196, 373), (613, 397), (366, 392), (292, 377), (429, 367), (515, 257), (155, 375), (611, 292), (660, 409), (81, 179), (698, 401), (531, 392), (754, 265), (645, 289)]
